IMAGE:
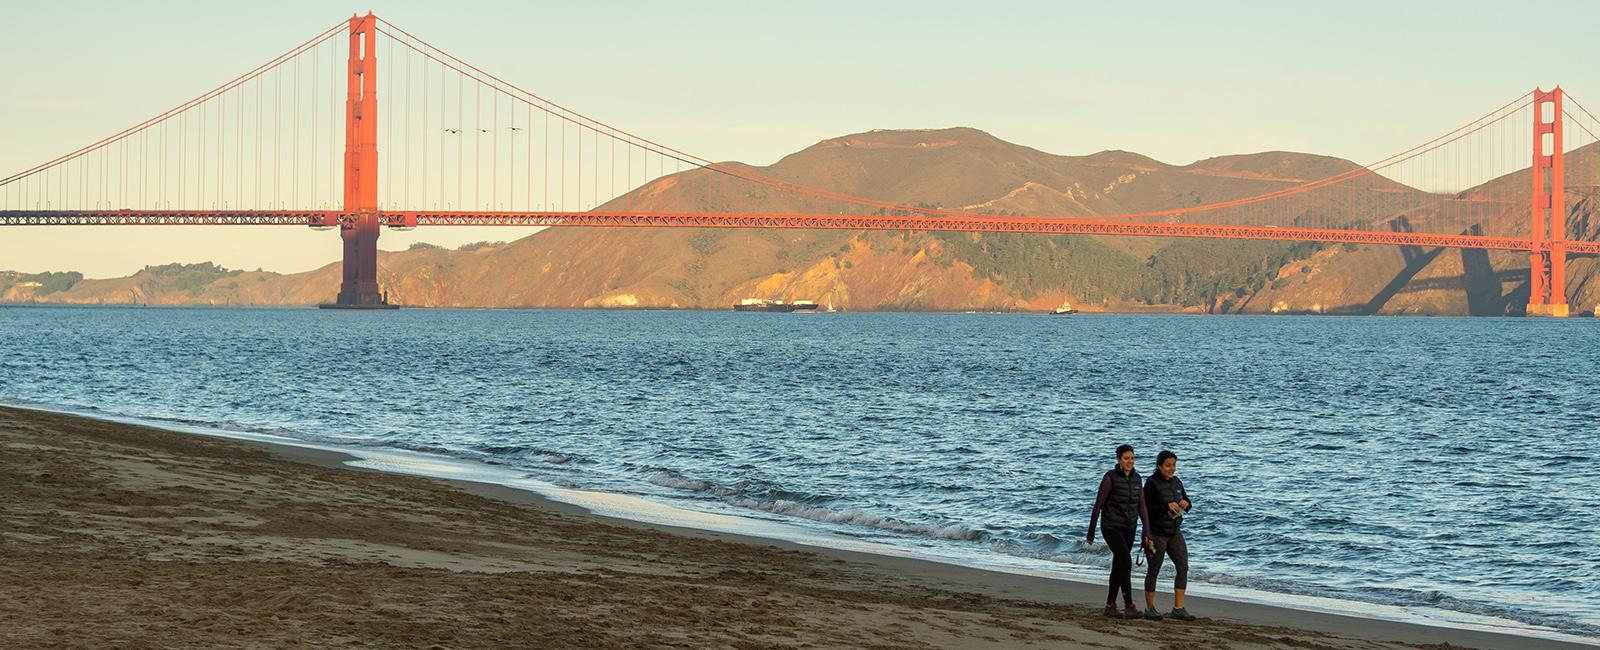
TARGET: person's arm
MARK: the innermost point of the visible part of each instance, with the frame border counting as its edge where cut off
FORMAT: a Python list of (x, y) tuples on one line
[(1144, 519), (1099, 502), (1183, 497)]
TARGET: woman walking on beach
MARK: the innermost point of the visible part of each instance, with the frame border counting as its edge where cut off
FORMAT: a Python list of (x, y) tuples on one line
[(1165, 501), (1119, 507)]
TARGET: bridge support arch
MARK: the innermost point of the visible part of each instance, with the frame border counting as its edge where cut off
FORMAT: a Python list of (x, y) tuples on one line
[(1547, 264), (359, 228)]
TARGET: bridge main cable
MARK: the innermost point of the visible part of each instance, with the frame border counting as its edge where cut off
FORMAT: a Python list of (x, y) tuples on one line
[(202, 98)]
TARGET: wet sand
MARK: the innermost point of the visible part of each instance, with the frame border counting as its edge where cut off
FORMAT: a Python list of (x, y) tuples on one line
[(114, 535)]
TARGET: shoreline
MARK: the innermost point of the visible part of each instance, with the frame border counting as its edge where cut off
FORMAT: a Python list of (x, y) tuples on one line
[(1053, 593), (987, 580), (1087, 312)]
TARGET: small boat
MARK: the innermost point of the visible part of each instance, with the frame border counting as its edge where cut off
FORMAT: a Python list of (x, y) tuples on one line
[(762, 304), (1066, 309)]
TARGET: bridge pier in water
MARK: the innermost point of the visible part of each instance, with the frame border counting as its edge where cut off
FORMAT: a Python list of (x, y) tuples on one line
[(359, 288), (358, 228)]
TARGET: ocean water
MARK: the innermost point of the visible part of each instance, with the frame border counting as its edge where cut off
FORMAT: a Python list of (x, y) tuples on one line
[(1431, 465)]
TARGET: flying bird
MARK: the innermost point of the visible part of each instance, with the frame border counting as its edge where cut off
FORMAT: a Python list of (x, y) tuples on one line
[(452, 130)]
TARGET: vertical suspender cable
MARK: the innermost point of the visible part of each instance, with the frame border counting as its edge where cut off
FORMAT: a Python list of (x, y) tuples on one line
[(294, 149), (405, 192), (546, 185), (528, 128), (578, 128), (161, 189), (388, 125), (255, 200), (200, 160), (222, 140), (477, 147), (424, 130), (596, 176), (183, 169), (461, 143), (316, 118), (335, 116), (277, 135), (494, 150), (511, 160), (563, 126), (444, 93)]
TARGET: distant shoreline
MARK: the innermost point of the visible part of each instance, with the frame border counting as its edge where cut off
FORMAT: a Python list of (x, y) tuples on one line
[(1090, 313)]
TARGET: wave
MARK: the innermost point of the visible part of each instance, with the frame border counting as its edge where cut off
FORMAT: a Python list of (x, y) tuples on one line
[(542, 454), (1555, 620), (770, 498), (673, 480), (1049, 548), (858, 517)]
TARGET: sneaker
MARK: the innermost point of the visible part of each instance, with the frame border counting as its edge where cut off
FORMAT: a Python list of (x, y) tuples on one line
[(1111, 611), (1150, 613), (1130, 612), (1182, 614)]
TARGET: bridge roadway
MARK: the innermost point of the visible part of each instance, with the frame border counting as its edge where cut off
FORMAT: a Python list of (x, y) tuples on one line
[(994, 224)]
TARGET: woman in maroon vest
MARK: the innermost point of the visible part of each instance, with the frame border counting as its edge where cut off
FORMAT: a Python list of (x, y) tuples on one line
[(1119, 508)]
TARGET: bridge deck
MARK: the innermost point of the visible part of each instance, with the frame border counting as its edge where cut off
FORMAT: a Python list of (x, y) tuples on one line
[(997, 224)]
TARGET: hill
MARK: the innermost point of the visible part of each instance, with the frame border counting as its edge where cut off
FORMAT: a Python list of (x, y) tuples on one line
[(946, 168)]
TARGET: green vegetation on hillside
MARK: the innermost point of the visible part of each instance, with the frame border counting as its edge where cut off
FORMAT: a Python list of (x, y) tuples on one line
[(51, 282), (1037, 263), (1202, 271), (189, 278), (1189, 272)]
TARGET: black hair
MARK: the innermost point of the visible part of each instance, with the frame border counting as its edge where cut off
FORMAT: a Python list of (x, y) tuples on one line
[(1163, 456), (1123, 449)]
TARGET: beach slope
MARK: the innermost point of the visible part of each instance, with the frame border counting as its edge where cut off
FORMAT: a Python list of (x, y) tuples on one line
[(116, 535)]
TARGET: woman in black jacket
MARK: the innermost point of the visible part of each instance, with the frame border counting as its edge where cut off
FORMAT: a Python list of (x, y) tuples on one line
[(1119, 508), (1166, 501)]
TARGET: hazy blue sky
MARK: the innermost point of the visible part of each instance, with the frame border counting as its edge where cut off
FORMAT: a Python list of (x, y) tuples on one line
[(1177, 81)]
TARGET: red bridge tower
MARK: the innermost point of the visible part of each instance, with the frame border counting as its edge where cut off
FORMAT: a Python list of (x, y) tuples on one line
[(1547, 268), (359, 225)]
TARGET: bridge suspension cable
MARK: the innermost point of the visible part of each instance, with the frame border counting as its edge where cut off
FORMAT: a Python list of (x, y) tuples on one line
[(254, 146)]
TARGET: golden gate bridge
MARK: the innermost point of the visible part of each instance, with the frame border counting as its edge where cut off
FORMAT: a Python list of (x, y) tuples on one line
[(298, 141)]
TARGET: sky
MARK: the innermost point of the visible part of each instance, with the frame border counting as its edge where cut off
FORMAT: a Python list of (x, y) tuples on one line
[(1177, 81)]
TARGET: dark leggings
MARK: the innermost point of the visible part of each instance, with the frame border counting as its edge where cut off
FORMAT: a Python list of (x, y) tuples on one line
[(1179, 551), (1121, 542)]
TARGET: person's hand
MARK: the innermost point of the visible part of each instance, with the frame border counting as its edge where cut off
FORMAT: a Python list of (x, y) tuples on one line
[(1184, 504), (1091, 538), (1173, 507)]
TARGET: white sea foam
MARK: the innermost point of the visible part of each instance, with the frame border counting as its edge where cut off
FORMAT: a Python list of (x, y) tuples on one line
[(857, 517), (674, 481)]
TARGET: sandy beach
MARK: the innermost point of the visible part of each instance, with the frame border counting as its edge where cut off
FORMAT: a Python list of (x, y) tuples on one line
[(124, 536)]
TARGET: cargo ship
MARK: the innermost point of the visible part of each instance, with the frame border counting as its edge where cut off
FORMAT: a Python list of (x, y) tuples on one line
[(762, 304)]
